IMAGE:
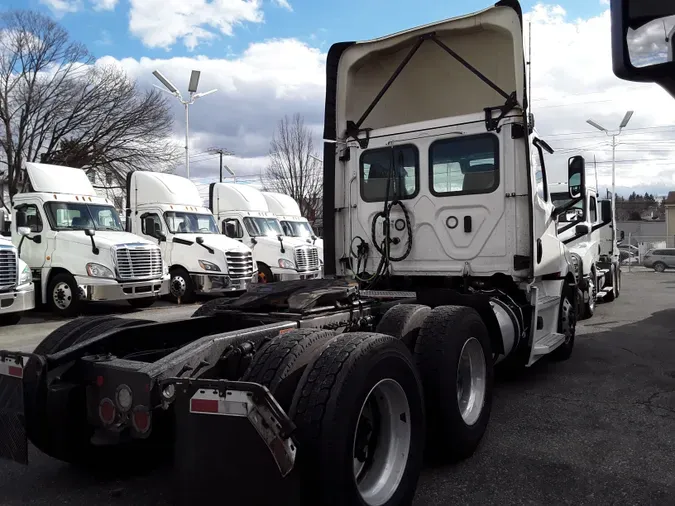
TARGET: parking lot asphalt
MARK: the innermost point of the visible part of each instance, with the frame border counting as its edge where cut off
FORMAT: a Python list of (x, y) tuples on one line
[(597, 429)]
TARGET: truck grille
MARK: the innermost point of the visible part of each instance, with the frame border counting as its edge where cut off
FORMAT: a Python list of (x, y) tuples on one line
[(139, 263), (8, 267), (307, 258), (239, 265)]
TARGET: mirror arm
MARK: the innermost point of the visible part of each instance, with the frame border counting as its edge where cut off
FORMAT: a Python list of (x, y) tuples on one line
[(559, 210), (18, 252), (94, 249)]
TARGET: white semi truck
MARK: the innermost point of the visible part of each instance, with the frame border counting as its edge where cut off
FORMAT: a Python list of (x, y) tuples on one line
[(293, 223), (444, 260), (588, 230), (76, 246), (168, 209), (17, 291), (243, 214)]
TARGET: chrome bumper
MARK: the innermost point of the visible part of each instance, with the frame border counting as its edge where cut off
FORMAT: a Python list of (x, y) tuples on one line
[(290, 274), (222, 283), (20, 299), (98, 289)]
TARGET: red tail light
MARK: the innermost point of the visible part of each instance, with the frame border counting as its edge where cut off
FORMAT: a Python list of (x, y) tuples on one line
[(141, 419), (107, 411)]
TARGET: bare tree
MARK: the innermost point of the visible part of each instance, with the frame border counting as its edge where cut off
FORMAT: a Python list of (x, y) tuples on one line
[(57, 106), (294, 168)]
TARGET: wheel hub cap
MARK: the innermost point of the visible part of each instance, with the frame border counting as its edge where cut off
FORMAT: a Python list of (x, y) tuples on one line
[(178, 286), (381, 442), (471, 381), (62, 295)]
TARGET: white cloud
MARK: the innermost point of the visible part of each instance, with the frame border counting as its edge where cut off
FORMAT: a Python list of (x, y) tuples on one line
[(61, 7), (255, 90), (104, 5), (161, 23), (284, 4), (572, 81)]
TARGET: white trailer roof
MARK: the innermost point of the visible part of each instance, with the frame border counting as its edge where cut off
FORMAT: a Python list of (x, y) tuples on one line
[(45, 178)]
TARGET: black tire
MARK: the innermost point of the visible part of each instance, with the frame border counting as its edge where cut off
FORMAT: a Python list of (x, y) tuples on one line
[(659, 267), (10, 319), (442, 338), (211, 307), (69, 440), (280, 362), (567, 324), (617, 292), (612, 276), (327, 408), (404, 322), (64, 288), (142, 303), (265, 274), (181, 287)]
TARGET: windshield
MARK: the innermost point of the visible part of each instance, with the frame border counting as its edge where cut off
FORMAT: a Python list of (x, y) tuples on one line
[(574, 213), (262, 227), (190, 223), (76, 216), (297, 229)]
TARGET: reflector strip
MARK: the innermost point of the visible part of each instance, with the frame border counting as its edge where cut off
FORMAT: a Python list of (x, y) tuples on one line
[(203, 406), (210, 402), (16, 371)]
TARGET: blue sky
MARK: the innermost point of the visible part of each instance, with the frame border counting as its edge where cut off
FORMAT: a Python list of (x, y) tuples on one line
[(267, 59), (317, 22)]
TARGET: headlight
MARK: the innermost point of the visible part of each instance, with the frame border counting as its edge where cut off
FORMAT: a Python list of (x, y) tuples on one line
[(25, 276), (286, 264), (208, 266), (99, 271)]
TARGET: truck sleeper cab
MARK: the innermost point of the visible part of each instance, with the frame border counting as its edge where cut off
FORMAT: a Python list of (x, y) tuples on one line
[(168, 209), (77, 248), (244, 215)]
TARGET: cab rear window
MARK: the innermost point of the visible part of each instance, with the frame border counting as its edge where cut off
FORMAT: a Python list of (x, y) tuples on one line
[(389, 173)]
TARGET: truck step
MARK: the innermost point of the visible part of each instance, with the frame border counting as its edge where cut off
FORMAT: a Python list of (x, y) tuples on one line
[(603, 292), (548, 343), (386, 294), (547, 301)]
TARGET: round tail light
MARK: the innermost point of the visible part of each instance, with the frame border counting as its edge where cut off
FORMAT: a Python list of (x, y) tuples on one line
[(141, 419), (106, 411), (124, 398)]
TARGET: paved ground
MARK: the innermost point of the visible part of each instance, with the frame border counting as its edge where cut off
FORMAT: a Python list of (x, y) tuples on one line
[(597, 429)]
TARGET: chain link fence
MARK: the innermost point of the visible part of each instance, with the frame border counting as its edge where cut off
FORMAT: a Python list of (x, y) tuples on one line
[(633, 248)]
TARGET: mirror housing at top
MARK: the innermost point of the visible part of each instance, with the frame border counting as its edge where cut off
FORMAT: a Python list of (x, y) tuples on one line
[(643, 45), (576, 176)]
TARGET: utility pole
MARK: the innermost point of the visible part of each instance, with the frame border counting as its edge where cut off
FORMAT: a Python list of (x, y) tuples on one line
[(221, 152)]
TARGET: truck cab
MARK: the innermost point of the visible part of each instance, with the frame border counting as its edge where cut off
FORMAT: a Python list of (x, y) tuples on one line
[(587, 228), (17, 291), (292, 222), (167, 209), (243, 214), (75, 244)]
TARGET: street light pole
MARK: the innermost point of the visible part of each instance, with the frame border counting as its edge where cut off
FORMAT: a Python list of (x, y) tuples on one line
[(624, 122), (221, 152), (192, 89)]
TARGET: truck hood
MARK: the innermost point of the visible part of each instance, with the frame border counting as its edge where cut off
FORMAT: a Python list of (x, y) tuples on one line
[(103, 238), (216, 241)]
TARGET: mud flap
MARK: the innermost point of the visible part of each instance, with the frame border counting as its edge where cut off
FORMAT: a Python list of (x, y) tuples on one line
[(233, 445), (13, 437)]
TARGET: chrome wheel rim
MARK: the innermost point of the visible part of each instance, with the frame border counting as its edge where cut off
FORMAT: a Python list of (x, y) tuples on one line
[(591, 295), (178, 286), (659, 268), (62, 295), (568, 320), (471, 381), (381, 442)]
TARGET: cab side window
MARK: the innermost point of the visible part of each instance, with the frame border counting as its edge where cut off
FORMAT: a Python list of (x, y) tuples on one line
[(232, 228), (151, 225), (28, 215), (539, 169)]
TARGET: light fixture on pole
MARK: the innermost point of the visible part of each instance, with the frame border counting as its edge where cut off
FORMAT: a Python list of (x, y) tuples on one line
[(622, 125), (192, 89), (316, 158), (223, 152)]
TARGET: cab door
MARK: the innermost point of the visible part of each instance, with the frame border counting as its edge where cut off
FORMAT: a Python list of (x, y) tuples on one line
[(34, 246)]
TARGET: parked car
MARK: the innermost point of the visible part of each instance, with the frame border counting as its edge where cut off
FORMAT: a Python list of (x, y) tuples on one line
[(660, 259)]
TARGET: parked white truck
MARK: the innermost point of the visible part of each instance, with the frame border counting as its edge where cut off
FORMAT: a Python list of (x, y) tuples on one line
[(243, 214), (17, 291), (168, 209), (292, 222), (587, 228), (76, 245)]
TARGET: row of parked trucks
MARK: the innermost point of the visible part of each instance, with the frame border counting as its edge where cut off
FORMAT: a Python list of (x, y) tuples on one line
[(444, 258), (69, 245)]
